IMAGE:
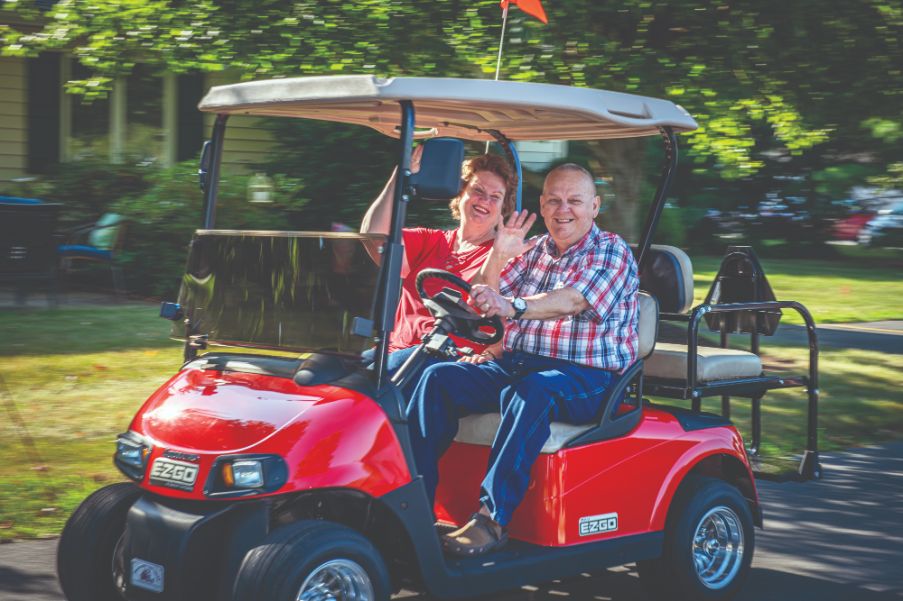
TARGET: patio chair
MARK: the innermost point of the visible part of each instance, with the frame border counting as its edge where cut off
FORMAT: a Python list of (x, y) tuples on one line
[(101, 241)]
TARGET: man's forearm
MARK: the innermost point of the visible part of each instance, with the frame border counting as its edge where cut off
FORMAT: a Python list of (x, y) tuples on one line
[(555, 304)]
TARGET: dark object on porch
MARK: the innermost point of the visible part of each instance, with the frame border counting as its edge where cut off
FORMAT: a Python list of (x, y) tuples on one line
[(28, 255), (96, 243)]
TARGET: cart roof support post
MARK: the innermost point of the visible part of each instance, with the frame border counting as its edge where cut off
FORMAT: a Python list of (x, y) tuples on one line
[(661, 193), (393, 251), (211, 178)]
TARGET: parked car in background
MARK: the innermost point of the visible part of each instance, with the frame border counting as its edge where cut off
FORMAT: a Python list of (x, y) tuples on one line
[(885, 229), (848, 228)]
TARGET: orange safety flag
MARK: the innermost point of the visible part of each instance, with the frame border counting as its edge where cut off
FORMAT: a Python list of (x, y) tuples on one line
[(531, 7)]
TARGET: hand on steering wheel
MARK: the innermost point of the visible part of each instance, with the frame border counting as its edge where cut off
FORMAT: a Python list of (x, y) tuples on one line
[(448, 304)]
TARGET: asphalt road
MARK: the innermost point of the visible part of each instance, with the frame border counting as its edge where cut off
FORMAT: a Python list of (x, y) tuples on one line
[(837, 539), (882, 336)]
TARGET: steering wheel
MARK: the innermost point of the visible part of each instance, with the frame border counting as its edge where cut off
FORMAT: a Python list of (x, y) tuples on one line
[(448, 304)]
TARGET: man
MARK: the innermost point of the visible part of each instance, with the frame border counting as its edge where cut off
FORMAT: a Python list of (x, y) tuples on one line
[(571, 299)]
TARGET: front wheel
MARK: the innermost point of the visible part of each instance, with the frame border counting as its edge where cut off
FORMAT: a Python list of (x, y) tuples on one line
[(709, 544), (85, 557), (313, 561)]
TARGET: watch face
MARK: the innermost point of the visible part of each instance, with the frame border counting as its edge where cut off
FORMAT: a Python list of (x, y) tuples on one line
[(519, 304)]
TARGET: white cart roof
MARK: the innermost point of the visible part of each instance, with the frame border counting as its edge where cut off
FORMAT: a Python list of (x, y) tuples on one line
[(461, 108)]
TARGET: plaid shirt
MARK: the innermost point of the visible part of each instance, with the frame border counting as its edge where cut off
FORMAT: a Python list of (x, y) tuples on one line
[(601, 267)]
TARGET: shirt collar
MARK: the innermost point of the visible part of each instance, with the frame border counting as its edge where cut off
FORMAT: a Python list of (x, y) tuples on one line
[(589, 240)]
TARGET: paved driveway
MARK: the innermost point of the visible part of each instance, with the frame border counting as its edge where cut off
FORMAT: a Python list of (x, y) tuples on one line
[(838, 539)]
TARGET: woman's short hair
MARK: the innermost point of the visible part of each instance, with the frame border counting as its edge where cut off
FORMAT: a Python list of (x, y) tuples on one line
[(492, 163)]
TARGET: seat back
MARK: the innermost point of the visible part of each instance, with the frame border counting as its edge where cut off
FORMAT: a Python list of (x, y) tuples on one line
[(648, 324), (107, 232), (741, 279), (668, 276)]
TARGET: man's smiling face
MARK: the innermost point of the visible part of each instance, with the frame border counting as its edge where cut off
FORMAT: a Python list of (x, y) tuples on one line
[(568, 205)]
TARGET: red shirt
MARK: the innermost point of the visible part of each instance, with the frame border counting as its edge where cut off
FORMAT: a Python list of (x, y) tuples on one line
[(425, 248)]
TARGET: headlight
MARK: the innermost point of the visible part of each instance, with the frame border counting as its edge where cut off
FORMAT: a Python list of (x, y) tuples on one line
[(131, 455), (242, 475)]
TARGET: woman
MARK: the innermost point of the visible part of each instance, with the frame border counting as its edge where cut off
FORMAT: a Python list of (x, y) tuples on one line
[(480, 208)]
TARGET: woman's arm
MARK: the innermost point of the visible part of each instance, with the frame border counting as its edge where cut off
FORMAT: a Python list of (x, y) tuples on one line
[(378, 217)]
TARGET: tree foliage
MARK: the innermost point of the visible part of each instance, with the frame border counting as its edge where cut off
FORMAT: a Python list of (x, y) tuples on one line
[(805, 84)]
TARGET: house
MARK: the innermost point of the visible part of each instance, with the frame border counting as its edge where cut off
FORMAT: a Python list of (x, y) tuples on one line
[(149, 117)]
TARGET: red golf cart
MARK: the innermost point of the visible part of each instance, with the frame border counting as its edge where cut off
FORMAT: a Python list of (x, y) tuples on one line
[(286, 478)]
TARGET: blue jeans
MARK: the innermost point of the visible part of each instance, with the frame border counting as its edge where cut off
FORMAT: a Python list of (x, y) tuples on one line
[(530, 391), (396, 359)]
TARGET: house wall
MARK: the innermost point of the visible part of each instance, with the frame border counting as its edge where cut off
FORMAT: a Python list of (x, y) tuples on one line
[(13, 118), (247, 143)]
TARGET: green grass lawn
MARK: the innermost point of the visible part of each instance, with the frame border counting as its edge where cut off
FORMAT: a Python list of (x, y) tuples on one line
[(72, 379), (833, 291)]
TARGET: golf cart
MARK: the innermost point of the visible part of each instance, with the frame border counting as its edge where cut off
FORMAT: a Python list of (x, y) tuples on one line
[(262, 476)]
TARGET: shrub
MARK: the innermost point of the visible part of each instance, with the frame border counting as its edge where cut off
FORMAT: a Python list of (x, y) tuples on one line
[(87, 188), (162, 220)]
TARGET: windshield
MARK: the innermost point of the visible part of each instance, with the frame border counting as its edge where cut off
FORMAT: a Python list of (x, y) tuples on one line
[(296, 291)]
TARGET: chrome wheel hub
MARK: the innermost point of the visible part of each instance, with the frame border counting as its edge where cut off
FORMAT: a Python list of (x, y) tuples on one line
[(718, 547), (337, 580)]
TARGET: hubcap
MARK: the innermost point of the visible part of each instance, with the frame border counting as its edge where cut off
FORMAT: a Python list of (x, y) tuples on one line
[(337, 580), (718, 547)]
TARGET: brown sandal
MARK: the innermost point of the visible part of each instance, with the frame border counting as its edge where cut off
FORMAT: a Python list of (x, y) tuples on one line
[(460, 541)]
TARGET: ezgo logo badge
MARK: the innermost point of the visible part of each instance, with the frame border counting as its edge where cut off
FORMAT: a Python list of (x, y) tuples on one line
[(597, 524)]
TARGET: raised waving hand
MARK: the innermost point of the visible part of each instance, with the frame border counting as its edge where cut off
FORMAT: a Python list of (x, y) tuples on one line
[(510, 238)]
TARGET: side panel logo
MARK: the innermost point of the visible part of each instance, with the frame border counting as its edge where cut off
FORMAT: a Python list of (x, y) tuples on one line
[(597, 524)]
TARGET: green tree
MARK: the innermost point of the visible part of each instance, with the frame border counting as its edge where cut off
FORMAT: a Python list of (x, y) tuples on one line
[(808, 83)]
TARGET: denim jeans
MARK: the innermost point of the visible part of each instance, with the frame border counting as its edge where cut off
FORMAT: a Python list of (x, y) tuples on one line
[(530, 392)]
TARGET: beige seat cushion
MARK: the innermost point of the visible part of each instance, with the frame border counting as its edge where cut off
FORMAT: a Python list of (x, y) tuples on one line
[(670, 361), (481, 428)]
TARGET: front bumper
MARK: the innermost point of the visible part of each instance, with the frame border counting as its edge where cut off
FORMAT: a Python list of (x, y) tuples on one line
[(186, 551)]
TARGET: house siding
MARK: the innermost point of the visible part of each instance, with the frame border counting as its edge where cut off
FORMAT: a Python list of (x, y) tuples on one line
[(13, 118), (247, 142)]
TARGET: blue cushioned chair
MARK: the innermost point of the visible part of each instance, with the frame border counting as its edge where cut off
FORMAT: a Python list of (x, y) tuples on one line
[(102, 240), (15, 200)]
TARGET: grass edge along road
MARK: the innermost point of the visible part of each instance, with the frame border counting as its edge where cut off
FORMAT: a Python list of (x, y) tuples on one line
[(76, 375)]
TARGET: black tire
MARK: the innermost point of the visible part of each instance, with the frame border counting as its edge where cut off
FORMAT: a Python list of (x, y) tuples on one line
[(84, 560), (675, 574), (277, 569)]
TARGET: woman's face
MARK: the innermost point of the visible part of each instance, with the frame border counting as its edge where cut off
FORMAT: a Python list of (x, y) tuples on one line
[(481, 201)]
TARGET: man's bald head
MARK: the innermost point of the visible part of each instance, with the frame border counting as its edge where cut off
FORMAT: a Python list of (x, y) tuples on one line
[(572, 169)]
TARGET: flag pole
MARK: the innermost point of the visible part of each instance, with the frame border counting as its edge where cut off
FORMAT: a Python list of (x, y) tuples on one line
[(498, 63)]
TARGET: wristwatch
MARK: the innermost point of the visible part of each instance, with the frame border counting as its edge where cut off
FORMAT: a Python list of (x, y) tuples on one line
[(520, 307)]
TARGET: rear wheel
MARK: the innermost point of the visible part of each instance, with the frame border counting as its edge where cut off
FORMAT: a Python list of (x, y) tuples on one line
[(313, 561), (709, 544), (85, 557)]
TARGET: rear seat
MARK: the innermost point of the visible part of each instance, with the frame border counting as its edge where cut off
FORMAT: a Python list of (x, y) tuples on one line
[(480, 429), (670, 275)]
